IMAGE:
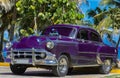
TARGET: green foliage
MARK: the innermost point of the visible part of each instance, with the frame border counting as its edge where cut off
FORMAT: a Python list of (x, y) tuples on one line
[(47, 12), (24, 32), (113, 76)]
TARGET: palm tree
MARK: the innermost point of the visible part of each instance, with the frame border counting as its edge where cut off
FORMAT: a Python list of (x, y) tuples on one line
[(111, 16), (6, 17), (92, 13)]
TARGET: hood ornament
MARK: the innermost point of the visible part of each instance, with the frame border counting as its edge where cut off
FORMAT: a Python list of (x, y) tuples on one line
[(39, 41)]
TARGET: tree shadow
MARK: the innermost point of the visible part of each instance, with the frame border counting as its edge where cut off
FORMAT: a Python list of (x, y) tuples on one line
[(84, 71)]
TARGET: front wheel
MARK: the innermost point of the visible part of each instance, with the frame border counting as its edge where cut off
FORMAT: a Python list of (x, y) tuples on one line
[(106, 67), (18, 69), (62, 68)]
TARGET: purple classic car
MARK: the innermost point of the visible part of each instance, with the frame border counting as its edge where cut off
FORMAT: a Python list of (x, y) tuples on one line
[(61, 48)]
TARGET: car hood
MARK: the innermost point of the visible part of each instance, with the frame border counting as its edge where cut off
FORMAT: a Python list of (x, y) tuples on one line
[(33, 42), (37, 42)]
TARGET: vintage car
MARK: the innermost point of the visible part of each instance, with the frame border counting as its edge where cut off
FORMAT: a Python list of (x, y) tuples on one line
[(61, 48)]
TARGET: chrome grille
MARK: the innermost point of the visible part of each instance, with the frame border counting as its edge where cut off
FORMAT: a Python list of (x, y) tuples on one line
[(26, 54)]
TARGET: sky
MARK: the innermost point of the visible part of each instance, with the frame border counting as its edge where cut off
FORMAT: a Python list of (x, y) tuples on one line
[(92, 4)]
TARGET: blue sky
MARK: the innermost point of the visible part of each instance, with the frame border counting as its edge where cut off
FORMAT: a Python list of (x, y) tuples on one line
[(92, 4)]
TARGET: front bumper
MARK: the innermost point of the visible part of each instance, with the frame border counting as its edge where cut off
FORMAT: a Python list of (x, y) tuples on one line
[(30, 57)]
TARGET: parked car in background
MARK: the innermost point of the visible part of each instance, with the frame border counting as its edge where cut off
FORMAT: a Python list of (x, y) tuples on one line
[(61, 48)]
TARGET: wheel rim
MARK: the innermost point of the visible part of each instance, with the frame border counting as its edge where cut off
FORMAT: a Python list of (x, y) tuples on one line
[(107, 68), (107, 65), (62, 65)]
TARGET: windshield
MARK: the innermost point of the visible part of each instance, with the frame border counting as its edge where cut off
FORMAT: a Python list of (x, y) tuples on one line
[(56, 31)]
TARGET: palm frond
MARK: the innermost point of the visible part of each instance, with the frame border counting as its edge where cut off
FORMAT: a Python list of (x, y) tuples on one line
[(105, 23), (106, 2), (110, 2), (101, 14), (91, 13)]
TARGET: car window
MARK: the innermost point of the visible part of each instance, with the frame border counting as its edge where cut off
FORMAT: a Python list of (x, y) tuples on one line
[(94, 37), (82, 34), (55, 31)]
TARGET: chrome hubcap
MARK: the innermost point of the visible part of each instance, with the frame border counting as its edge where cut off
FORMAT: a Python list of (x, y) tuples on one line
[(107, 65), (62, 65)]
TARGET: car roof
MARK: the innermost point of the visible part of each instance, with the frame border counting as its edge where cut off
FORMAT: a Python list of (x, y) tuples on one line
[(74, 26)]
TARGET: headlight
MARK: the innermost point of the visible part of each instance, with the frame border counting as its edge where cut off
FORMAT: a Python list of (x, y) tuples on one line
[(8, 45), (50, 45)]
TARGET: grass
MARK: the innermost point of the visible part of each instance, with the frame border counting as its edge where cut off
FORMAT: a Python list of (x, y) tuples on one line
[(113, 76)]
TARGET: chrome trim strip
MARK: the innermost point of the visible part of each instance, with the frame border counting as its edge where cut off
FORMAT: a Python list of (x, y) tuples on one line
[(107, 56), (88, 52), (33, 57), (28, 50), (86, 65), (96, 53)]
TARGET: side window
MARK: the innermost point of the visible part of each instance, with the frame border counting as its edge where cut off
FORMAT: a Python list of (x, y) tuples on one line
[(82, 34), (94, 37)]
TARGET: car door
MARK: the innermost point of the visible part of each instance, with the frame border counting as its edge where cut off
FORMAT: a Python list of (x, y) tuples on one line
[(87, 47), (96, 44)]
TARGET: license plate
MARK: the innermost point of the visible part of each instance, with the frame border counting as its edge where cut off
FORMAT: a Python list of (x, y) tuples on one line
[(22, 61)]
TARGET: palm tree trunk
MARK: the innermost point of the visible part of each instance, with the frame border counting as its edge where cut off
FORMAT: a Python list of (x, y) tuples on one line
[(12, 32), (13, 23), (6, 19), (1, 46)]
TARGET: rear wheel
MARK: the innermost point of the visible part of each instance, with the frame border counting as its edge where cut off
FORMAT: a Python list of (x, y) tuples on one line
[(62, 68), (18, 69), (106, 67)]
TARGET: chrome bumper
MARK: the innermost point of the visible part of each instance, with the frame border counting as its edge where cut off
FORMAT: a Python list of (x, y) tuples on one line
[(22, 57)]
